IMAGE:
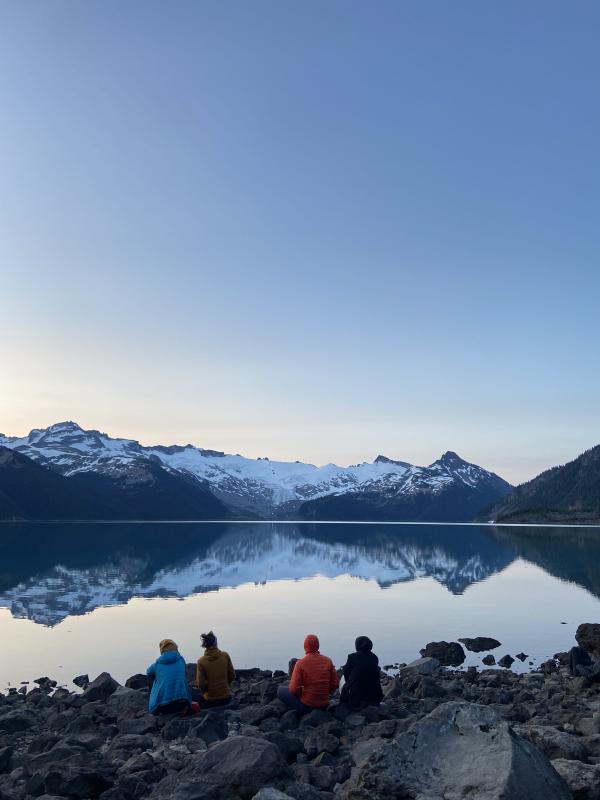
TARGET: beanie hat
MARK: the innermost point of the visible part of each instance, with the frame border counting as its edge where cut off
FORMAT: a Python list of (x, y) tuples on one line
[(311, 643), (166, 646)]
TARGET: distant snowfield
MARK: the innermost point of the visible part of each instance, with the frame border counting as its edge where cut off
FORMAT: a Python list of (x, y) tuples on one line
[(259, 485)]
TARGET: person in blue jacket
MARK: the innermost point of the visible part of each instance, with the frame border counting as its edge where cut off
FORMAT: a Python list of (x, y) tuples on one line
[(170, 691)]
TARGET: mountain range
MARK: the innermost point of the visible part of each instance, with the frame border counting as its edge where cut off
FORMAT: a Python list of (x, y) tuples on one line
[(567, 493), (66, 472)]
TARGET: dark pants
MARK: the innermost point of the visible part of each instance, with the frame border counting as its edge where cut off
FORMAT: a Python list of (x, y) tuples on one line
[(198, 697), (176, 707), (293, 702), (215, 703)]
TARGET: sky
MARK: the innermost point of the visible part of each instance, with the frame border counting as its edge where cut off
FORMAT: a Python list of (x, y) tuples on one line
[(316, 231)]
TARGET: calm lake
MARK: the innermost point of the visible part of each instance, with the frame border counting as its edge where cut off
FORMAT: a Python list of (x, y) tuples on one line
[(78, 598)]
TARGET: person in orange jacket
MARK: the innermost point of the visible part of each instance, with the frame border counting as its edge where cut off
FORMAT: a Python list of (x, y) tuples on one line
[(314, 679)]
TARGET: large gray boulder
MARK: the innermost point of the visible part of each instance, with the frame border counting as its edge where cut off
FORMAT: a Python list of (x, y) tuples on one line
[(552, 742), (423, 666), (588, 637), (583, 779), (240, 764), (459, 750), (449, 654)]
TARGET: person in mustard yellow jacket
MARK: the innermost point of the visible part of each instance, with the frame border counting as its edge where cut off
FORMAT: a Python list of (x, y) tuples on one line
[(214, 673)]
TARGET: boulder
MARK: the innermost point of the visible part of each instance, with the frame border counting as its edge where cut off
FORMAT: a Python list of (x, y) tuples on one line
[(303, 791), (82, 681), (423, 666), (588, 637), (582, 779), (458, 750), (101, 688), (480, 643), (15, 721), (506, 661), (269, 793), (549, 667), (320, 741), (552, 742), (5, 755), (449, 654), (288, 744), (242, 764), (77, 783), (138, 681), (489, 660)]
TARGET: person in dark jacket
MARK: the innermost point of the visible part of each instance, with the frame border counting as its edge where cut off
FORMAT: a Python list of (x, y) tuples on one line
[(170, 691), (362, 685)]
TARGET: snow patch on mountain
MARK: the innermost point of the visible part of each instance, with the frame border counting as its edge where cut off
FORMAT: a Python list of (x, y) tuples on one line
[(258, 485)]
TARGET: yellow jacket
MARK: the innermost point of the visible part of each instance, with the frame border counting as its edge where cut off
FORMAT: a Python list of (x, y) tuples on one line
[(214, 673)]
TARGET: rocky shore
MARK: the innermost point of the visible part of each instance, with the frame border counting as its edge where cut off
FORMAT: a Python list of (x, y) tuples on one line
[(440, 733)]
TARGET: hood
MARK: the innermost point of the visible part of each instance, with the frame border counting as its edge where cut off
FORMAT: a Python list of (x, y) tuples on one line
[(170, 657), (363, 644), (212, 653), (311, 643)]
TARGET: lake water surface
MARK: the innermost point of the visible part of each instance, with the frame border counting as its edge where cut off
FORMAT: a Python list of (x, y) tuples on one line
[(90, 597)]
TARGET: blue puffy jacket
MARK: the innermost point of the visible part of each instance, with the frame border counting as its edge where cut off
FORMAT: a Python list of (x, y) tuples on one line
[(170, 681)]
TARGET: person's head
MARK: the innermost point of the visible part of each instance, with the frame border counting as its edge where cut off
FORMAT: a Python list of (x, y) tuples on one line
[(208, 639), (167, 646), (311, 643), (363, 644)]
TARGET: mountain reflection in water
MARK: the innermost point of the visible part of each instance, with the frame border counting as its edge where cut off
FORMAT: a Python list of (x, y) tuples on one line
[(51, 571)]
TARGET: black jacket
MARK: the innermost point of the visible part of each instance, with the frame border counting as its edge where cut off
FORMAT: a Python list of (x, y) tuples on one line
[(362, 686)]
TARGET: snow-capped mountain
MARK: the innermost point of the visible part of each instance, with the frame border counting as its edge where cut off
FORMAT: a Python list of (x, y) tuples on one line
[(253, 554), (256, 486)]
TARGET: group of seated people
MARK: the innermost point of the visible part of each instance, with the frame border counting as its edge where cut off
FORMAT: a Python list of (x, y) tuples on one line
[(314, 679)]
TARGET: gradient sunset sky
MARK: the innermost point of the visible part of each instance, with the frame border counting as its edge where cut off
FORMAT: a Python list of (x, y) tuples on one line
[(315, 231)]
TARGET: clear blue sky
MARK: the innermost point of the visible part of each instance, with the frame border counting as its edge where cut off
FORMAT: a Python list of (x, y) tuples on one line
[(304, 230)]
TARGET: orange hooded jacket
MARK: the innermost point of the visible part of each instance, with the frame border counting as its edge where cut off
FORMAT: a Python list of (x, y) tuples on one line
[(314, 677)]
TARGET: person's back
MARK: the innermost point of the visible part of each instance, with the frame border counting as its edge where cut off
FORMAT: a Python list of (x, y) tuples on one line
[(214, 672), (170, 690), (361, 673), (314, 677)]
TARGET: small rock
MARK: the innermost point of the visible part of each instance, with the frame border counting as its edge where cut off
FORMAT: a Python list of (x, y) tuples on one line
[(506, 661), (269, 793), (488, 660), (480, 643), (81, 681)]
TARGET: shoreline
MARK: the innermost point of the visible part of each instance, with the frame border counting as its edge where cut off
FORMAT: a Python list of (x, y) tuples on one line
[(99, 741)]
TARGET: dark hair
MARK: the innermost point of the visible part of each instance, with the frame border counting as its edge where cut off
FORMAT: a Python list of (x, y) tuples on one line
[(208, 639), (363, 644)]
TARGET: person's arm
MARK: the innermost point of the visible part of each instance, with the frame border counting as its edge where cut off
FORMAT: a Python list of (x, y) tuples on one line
[(347, 668), (334, 681), (230, 670), (201, 677), (151, 671), (296, 682)]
